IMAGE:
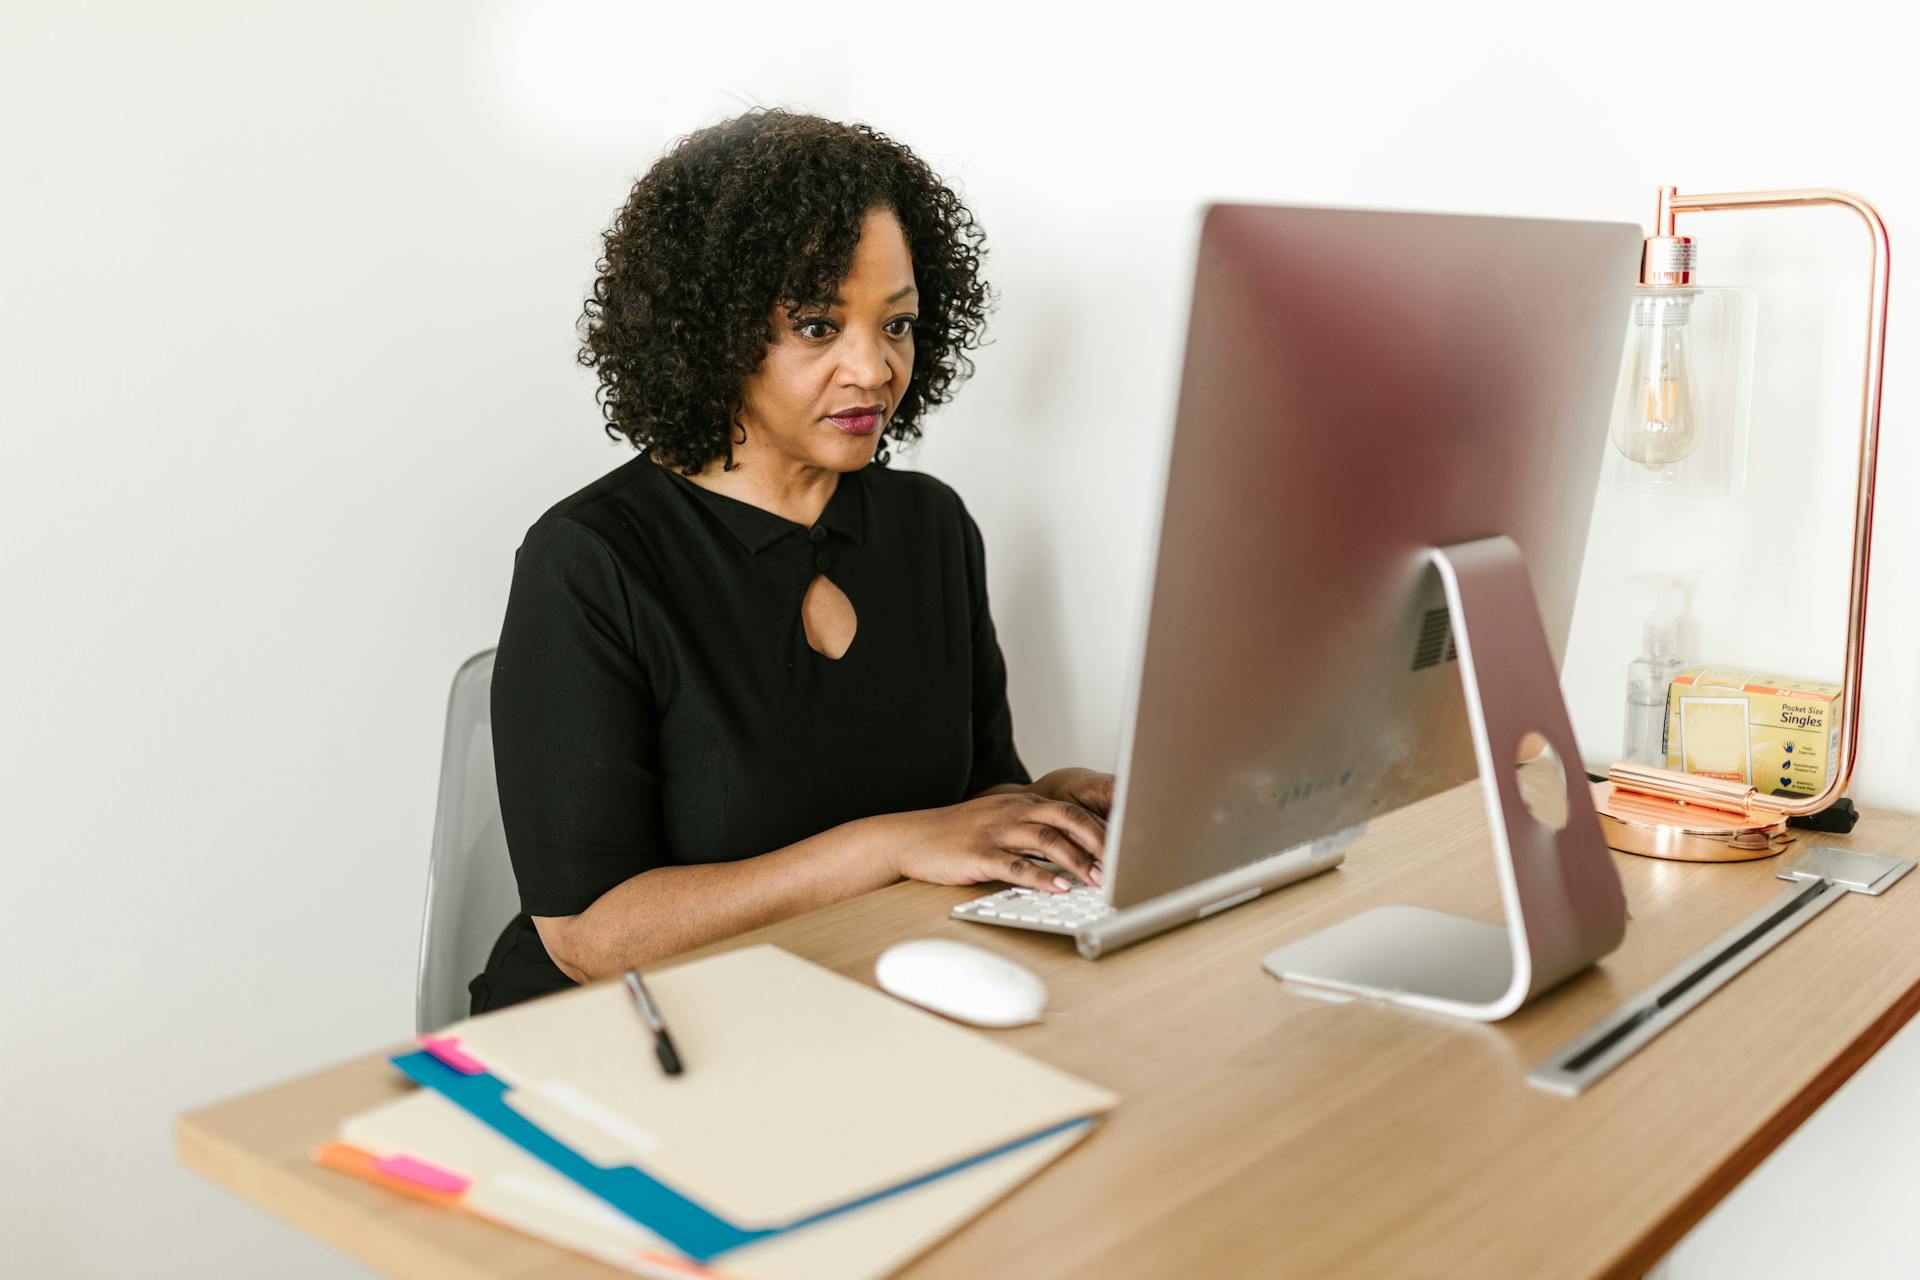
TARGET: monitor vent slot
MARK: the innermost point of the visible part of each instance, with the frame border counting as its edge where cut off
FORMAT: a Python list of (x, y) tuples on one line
[(1436, 640)]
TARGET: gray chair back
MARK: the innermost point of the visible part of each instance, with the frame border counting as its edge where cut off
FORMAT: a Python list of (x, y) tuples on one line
[(471, 894)]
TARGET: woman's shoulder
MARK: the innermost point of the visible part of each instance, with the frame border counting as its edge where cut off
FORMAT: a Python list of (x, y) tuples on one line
[(601, 547), (624, 515), (611, 502), (610, 541)]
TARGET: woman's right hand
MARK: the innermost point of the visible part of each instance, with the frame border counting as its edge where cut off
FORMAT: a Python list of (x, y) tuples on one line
[(994, 837)]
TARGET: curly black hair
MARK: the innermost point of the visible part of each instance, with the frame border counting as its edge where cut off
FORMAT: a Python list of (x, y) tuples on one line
[(762, 209)]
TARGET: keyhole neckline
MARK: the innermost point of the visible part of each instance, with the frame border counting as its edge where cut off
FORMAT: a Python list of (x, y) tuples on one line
[(828, 620)]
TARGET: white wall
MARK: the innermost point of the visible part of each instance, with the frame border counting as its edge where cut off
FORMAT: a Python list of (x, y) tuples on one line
[(285, 370)]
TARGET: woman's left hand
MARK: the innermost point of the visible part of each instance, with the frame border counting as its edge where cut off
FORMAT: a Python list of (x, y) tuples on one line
[(1091, 790)]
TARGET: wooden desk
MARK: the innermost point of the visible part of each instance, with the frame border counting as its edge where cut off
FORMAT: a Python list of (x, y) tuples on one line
[(1263, 1132)]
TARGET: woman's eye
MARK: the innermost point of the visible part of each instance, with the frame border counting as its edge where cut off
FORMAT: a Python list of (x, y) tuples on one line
[(814, 330)]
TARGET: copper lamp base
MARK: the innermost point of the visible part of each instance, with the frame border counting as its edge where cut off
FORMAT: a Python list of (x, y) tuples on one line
[(1653, 827)]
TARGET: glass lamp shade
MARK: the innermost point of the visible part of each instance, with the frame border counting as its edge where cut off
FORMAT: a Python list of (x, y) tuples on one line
[(1681, 406)]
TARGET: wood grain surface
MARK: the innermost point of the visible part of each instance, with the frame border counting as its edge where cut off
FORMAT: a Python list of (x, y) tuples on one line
[(1265, 1132)]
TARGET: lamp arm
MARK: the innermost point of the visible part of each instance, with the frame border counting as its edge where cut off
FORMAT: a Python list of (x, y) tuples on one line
[(1672, 204)]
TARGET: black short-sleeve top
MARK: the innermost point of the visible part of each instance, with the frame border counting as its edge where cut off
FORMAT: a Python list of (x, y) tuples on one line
[(655, 700)]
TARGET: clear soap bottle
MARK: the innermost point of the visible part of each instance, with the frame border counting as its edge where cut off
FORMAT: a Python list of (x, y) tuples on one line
[(1649, 676)]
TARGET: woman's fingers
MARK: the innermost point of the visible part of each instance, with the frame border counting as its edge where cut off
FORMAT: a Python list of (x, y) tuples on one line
[(1019, 871), (1054, 845), (999, 835), (1087, 830)]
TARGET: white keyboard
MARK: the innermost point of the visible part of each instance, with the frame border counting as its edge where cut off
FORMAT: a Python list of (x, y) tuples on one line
[(1037, 909)]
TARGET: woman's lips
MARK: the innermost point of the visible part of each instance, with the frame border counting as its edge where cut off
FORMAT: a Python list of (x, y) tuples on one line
[(859, 424)]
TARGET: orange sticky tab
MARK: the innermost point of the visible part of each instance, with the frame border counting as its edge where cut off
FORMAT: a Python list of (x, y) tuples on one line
[(351, 1160)]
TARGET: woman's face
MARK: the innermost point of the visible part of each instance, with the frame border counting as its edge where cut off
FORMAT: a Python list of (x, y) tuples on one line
[(834, 372)]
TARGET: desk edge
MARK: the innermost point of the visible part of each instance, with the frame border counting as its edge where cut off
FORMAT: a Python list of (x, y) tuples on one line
[(1640, 1257), (303, 1205)]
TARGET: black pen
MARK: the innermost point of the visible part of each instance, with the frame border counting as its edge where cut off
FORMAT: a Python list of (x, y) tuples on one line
[(662, 1043)]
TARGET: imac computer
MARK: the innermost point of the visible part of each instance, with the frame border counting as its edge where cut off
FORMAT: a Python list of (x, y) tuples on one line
[(1378, 485)]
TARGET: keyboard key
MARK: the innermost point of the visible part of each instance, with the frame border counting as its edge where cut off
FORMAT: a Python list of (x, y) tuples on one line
[(1021, 907)]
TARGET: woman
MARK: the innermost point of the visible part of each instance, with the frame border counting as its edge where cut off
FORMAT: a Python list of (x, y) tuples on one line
[(752, 671)]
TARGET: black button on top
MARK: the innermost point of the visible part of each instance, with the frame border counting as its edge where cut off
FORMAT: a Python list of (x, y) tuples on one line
[(818, 534), (823, 562)]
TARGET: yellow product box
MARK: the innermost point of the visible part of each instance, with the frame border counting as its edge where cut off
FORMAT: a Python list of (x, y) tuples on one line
[(1778, 735)]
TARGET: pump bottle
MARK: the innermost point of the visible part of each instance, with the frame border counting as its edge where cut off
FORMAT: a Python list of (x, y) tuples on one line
[(1649, 676)]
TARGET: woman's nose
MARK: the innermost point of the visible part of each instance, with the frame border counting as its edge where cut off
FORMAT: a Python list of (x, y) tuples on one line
[(866, 363)]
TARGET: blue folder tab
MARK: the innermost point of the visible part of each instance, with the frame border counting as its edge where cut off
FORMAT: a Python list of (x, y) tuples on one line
[(690, 1227)]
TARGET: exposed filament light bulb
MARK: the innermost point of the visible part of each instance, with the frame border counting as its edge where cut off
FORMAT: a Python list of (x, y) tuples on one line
[(1655, 424)]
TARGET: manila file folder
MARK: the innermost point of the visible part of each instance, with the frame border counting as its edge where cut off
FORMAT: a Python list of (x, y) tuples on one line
[(509, 1186), (804, 1091)]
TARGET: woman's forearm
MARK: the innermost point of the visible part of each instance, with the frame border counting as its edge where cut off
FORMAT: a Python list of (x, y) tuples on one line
[(672, 909)]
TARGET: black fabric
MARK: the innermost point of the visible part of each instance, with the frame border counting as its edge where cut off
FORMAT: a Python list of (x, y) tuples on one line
[(655, 700)]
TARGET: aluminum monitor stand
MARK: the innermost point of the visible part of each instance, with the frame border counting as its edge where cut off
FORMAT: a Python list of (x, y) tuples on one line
[(1564, 905)]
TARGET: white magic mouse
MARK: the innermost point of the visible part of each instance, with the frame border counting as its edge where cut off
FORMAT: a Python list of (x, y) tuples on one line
[(963, 982)]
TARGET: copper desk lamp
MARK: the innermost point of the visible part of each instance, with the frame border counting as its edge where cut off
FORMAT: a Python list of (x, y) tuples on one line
[(1664, 813)]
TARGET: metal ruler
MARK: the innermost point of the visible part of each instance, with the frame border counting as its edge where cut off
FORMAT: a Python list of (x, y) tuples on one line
[(1823, 876)]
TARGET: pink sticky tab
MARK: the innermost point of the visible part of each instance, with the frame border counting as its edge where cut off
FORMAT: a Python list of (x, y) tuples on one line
[(448, 1050), (423, 1174)]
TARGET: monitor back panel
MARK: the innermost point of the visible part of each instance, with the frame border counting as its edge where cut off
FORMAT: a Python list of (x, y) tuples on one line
[(1358, 387)]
